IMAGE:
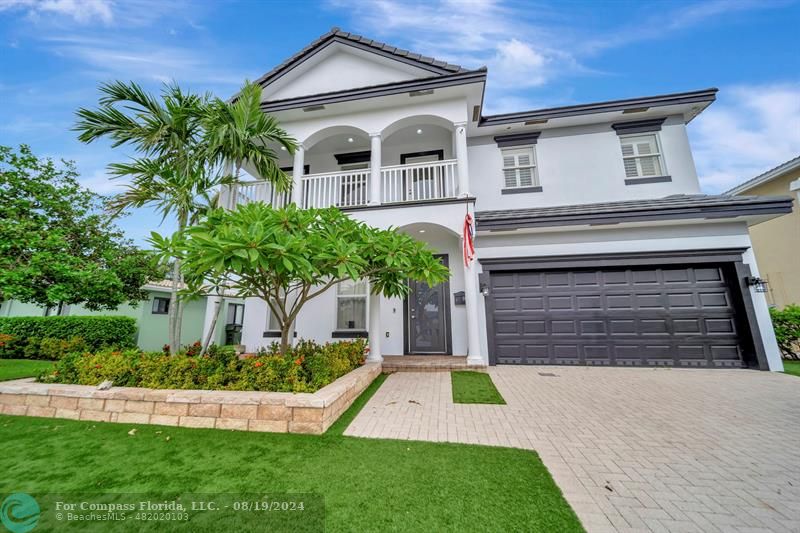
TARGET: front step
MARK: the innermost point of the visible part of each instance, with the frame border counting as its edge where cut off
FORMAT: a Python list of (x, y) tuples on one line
[(427, 363)]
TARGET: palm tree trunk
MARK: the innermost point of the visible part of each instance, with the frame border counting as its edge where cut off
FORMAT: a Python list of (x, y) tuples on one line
[(175, 305), (173, 308)]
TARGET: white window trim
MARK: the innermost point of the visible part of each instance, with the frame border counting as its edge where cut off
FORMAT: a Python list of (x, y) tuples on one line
[(534, 166), (336, 309), (660, 154)]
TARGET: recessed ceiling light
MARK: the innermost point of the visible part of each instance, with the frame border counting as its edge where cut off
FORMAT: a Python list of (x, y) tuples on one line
[(349, 139), (283, 148), (419, 131), (422, 231)]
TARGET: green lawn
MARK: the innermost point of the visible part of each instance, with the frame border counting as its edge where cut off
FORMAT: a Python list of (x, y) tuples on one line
[(791, 367), (474, 387), (21, 368), (367, 485)]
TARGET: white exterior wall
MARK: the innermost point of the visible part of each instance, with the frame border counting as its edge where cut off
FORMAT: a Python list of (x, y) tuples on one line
[(579, 165), (684, 237)]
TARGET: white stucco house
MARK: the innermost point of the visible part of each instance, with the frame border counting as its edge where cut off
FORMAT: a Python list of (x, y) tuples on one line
[(594, 244)]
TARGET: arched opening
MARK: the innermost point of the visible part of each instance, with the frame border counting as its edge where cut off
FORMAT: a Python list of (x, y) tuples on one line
[(434, 317), (418, 157)]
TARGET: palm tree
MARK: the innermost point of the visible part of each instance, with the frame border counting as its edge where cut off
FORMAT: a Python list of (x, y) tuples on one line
[(239, 133), (187, 144), (172, 174)]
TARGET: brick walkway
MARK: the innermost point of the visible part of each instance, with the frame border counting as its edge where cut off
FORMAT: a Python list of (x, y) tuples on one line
[(632, 449)]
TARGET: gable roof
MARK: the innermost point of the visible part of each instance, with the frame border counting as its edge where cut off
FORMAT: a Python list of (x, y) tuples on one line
[(679, 206), (335, 35), (783, 168)]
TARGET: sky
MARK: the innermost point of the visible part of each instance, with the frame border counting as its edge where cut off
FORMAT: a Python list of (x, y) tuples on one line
[(54, 53)]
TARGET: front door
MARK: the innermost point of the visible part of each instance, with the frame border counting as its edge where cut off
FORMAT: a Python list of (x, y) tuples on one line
[(428, 317)]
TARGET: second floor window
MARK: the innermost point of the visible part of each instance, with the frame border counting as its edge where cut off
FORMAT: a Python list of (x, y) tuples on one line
[(519, 167), (641, 156)]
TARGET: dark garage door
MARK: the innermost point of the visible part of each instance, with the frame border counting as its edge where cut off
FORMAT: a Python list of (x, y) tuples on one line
[(670, 316)]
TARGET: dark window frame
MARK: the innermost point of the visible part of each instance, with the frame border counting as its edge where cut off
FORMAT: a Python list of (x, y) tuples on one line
[(155, 309)]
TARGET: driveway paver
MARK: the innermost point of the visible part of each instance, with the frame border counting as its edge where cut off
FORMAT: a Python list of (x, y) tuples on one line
[(632, 449)]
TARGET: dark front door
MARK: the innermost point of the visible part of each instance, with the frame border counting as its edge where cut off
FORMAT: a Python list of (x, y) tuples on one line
[(428, 318)]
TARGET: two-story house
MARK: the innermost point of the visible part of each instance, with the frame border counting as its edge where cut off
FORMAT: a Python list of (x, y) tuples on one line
[(594, 245)]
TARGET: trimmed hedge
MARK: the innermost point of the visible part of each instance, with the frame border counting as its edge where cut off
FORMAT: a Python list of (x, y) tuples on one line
[(305, 368), (25, 336)]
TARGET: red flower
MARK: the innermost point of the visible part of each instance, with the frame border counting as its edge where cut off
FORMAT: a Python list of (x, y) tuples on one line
[(297, 362), (98, 366), (258, 363)]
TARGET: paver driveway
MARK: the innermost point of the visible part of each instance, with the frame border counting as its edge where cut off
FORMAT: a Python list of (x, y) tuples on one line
[(632, 449)]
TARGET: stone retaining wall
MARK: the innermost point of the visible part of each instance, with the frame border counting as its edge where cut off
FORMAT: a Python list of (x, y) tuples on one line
[(247, 411)]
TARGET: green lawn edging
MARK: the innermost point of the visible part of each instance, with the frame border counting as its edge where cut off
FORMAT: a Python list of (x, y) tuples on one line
[(349, 415), (474, 387), (791, 367)]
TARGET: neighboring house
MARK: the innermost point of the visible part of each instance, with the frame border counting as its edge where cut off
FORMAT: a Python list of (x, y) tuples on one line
[(594, 244), (777, 242), (152, 316)]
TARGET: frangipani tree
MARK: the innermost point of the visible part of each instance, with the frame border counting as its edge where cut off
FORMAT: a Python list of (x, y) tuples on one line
[(289, 256)]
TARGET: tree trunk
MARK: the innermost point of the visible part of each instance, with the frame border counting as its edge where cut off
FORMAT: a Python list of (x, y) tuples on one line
[(173, 308), (214, 319), (286, 330), (179, 317)]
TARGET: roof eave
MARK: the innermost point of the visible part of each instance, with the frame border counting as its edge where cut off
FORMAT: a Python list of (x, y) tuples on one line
[(702, 96), (780, 170), (772, 206), (449, 80)]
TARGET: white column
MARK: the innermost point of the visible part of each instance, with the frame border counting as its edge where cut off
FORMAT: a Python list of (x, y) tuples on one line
[(473, 300), (374, 329), (375, 169), (297, 175), (461, 158)]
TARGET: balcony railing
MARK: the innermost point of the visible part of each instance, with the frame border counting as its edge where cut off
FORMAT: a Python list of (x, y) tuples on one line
[(259, 191), (342, 189), (398, 184), (420, 181)]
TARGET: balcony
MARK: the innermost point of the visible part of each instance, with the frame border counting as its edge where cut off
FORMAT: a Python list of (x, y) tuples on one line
[(398, 184)]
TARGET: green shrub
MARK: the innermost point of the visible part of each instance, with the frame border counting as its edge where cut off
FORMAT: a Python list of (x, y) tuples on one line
[(306, 368), (32, 334), (786, 323), (52, 349)]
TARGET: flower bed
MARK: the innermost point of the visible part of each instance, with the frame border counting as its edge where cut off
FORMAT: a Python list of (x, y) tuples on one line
[(305, 368)]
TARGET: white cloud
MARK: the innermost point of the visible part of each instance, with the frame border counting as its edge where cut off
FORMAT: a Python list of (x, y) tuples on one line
[(750, 129), (81, 11), (133, 58)]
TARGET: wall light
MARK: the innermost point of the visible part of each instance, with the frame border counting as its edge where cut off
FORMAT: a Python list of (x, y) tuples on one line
[(484, 289), (419, 131), (349, 139), (758, 284)]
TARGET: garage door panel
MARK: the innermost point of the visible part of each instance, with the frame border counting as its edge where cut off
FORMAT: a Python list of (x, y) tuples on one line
[(670, 316)]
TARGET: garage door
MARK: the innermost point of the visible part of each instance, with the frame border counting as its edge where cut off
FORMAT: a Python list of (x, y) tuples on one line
[(670, 316)]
